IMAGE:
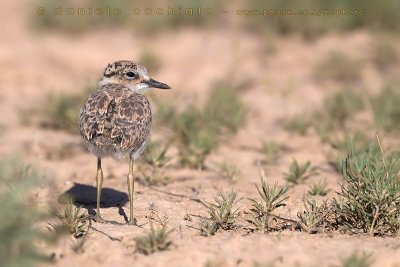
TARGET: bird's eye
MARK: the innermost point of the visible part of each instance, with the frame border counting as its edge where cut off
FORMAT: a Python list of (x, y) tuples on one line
[(130, 74)]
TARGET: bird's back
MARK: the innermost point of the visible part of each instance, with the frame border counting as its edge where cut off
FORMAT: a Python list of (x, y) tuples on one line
[(114, 121)]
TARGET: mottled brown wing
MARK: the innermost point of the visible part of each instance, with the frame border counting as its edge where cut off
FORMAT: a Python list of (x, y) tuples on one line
[(93, 114), (133, 122)]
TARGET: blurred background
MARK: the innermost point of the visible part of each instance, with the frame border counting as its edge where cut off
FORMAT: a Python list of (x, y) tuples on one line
[(252, 81)]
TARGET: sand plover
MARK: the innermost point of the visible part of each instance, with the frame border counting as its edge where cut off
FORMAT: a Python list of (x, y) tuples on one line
[(115, 120)]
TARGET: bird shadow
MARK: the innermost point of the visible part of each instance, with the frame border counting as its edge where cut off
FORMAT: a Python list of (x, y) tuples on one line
[(86, 196)]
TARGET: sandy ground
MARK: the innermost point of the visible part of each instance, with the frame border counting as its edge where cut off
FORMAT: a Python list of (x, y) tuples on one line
[(279, 73)]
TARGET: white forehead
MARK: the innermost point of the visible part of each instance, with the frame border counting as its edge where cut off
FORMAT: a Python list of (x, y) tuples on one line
[(142, 72)]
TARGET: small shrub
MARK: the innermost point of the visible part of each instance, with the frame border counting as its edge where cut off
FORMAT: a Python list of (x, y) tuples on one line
[(156, 240), (222, 212), (19, 216), (319, 189), (299, 173), (271, 199), (230, 170), (313, 216), (209, 228), (386, 107), (360, 142), (155, 159), (370, 197), (73, 220)]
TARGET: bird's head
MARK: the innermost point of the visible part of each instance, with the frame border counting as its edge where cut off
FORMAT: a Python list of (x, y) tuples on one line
[(130, 74)]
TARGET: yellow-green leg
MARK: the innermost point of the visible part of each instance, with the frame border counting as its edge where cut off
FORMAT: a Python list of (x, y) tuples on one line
[(131, 188), (99, 181)]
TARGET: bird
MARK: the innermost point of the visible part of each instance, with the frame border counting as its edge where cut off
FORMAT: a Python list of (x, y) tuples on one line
[(115, 120)]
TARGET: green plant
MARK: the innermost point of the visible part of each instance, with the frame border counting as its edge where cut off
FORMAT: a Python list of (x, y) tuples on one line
[(386, 108), (155, 159), (299, 173), (360, 142), (357, 259), (339, 67), (195, 138), (156, 240), (208, 228), (222, 212), (196, 131), (60, 112), (298, 124), (78, 245), (337, 110), (313, 216), (271, 199), (223, 109), (73, 220), (370, 197), (318, 189), (19, 216), (230, 170), (272, 150)]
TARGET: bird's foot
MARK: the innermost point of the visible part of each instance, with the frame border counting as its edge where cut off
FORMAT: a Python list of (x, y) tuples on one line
[(98, 219), (132, 222)]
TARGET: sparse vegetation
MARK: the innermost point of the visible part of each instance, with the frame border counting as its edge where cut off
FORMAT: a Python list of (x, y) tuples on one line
[(222, 212), (154, 159), (337, 110), (272, 150), (370, 197), (357, 259), (314, 215), (60, 112), (298, 124), (299, 173), (360, 143), (333, 117), (156, 240), (230, 170), (271, 198), (73, 220), (208, 228), (319, 189), (339, 67), (18, 232), (386, 108), (196, 131)]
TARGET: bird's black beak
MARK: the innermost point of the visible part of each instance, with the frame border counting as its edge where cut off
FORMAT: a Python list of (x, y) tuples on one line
[(157, 84)]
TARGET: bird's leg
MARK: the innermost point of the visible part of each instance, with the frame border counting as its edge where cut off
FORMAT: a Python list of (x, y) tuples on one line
[(99, 181), (131, 187)]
